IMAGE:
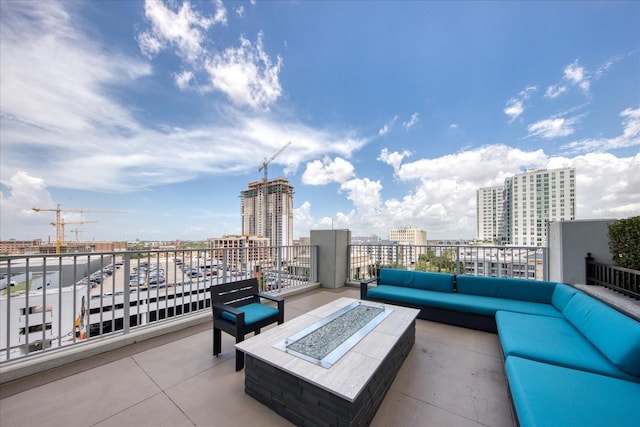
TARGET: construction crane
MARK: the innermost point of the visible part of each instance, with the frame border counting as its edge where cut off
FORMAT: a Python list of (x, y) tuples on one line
[(63, 223), (59, 221), (265, 166)]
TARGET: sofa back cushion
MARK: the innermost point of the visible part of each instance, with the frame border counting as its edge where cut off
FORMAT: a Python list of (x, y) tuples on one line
[(500, 287), (441, 282), (395, 277), (561, 295), (616, 336)]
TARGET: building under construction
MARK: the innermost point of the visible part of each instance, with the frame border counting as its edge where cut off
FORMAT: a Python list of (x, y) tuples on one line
[(267, 211)]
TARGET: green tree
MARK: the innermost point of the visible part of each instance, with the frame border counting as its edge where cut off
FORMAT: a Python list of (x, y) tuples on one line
[(624, 242)]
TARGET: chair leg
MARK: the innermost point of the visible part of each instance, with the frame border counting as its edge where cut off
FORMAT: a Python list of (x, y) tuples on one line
[(239, 360), (217, 341)]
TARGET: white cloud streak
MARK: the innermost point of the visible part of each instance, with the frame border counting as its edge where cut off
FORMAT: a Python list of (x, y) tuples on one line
[(515, 106), (630, 136), (415, 118)]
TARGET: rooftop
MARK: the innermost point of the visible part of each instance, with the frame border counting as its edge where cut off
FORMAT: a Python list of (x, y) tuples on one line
[(452, 376)]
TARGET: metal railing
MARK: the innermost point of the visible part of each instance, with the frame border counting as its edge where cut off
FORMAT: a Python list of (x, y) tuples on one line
[(493, 261), (623, 280), (53, 301)]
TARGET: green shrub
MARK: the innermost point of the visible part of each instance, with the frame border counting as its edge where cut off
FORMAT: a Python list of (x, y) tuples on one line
[(624, 242)]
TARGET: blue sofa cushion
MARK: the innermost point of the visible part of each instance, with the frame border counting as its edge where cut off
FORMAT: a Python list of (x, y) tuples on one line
[(617, 336), (459, 302), (395, 277), (253, 313), (549, 395), (442, 282), (499, 287), (552, 340), (561, 295)]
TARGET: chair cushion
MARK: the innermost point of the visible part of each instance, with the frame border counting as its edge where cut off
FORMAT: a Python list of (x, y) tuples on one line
[(253, 313), (552, 340), (549, 395)]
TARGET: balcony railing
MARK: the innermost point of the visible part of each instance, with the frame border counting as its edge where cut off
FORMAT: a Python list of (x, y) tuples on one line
[(53, 301), (494, 261), (623, 280)]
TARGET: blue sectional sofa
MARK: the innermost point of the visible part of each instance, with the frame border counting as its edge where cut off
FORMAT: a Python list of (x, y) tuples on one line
[(570, 359), (468, 301)]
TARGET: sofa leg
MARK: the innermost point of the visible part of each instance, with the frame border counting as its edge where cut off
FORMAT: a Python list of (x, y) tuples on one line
[(217, 344)]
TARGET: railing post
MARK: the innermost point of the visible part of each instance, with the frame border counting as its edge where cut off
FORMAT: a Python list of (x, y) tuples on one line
[(587, 276), (127, 293)]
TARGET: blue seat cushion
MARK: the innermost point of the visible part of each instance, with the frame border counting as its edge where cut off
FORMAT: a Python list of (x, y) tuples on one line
[(500, 287), (253, 313), (549, 395), (616, 335), (552, 340), (459, 302)]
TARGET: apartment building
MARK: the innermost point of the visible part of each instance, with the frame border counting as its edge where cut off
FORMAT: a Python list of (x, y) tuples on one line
[(489, 213), (267, 211), (530, 201)]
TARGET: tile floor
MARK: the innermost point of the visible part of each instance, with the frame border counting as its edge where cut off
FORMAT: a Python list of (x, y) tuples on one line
[(452, 377)]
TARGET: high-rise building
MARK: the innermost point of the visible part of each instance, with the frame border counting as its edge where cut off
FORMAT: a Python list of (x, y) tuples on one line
[(530, 201), (270, 216), (533, 199), (489, 213)]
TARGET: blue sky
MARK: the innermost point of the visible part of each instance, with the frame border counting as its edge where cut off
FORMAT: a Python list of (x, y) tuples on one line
[(397, 112)]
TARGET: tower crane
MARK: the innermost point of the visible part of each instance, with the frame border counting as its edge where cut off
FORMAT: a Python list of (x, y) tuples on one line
[(63, 223), (59, 224), (264, 166)]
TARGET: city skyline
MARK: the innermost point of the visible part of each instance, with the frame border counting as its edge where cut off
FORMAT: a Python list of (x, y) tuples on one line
[(397, 112)]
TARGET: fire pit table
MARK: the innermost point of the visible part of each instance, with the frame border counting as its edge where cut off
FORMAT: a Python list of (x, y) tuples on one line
[(332, 365)]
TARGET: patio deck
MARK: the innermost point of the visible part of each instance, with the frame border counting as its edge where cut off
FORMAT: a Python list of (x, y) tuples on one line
[(452, 377)]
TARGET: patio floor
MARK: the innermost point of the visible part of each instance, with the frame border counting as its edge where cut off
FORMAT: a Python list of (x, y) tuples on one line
[(452, 377)]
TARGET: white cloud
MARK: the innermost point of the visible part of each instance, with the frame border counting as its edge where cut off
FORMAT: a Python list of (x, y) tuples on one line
[(574, 72), (552, 128), (240, 11), (183, 29), (183, 79), (453, 126), (246, 74), (327, 171), (555, 91), (387, 127), (415, 118), (394, 159), (630, 136), (24, 192), (515, 106), (441, 192)]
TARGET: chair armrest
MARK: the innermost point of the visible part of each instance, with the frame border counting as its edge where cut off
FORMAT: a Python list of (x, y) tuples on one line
[(230, 309), (278, 300), (269, 297), (364, 286)]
